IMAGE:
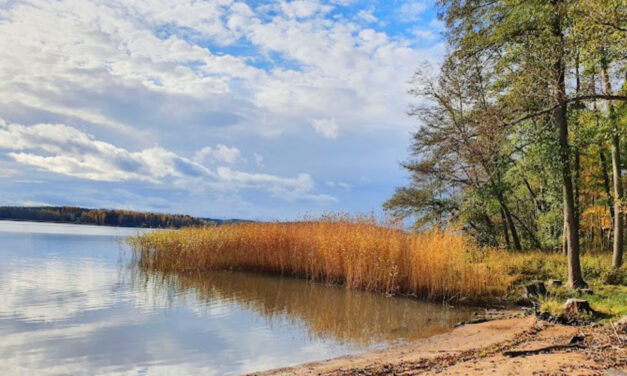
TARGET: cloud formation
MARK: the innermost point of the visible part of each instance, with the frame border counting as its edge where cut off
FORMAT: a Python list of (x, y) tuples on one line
[(220, 153), (68, 151), (178, 94), (326, 127)]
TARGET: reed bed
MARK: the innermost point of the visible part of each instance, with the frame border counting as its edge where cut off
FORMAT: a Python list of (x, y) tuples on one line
[(356, 252)]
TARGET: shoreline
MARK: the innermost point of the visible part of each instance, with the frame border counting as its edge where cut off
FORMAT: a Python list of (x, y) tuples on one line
[(478, 349)]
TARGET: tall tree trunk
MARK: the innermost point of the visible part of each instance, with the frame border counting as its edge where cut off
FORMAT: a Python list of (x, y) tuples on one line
[(606, 176), (617, 254), (526, 228), (565, 240), (577, 153), (510, 224), (575, 279), (577, 183), (538, 207), (577, 178), (505, 229), (606, 186)]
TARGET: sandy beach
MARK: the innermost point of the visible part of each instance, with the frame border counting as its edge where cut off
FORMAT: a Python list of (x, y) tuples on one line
[(479, 349)]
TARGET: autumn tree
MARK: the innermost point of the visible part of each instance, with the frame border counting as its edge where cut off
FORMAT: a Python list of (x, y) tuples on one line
[(543, 67)]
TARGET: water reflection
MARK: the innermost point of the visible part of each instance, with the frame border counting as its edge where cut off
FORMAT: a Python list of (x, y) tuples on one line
[(346, 316), (73, 303), (55, 290), (25, 227)]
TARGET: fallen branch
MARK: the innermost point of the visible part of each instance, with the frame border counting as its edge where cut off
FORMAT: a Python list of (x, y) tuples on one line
[(620, 340), (515, 353), (575, 342), (475, 321)]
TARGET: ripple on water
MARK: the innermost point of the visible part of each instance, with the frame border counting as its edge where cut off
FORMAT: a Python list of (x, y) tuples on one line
[(71, 303)]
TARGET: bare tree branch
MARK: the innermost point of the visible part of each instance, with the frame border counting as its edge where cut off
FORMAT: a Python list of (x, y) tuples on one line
[(570, 100)]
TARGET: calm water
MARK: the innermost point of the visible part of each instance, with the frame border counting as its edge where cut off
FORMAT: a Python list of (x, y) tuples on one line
[(71, 303)]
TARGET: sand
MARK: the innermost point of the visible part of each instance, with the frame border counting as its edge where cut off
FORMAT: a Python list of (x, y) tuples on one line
[(478, 350)]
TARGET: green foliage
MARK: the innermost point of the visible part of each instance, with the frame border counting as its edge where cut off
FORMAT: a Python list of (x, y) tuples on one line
[(487, 155), (429, 204)]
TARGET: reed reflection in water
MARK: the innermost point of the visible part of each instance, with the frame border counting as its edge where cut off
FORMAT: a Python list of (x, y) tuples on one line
[(326, 311), (72, 305)]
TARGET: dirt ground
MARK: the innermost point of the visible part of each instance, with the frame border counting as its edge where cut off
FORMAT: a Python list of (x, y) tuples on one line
[(479, 350)]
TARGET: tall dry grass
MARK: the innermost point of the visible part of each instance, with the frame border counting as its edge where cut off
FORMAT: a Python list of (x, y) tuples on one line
[(357, 252)]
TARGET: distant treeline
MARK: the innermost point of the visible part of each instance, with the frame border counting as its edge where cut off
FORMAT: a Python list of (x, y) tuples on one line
[(103, 217)]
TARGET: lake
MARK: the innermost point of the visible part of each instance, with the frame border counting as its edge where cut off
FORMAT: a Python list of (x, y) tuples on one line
[(73, 302)]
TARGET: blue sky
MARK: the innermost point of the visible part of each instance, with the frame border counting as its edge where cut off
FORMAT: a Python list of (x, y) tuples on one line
[(257, 109)]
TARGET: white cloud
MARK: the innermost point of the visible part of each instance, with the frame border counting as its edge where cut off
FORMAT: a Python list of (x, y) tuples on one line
[(411, 10), (88, 48), (339, 184), (328, 128), (68, 151), (303, 8), (367, 15), (343, 2), (287, 188), (424, 34), (227, 154), (221, 153), (186, 74)]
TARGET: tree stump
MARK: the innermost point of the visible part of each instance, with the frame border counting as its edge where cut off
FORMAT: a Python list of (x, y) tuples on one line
[(576, 307), (534, 289)]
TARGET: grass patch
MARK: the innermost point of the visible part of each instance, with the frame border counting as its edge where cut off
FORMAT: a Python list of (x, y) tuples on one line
[(596, 267), (361, 253), (609, 285), (609, 301)]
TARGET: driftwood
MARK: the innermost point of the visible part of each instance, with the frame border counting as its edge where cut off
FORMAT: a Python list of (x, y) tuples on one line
[(515, 353), (575, 342), (475, 321)]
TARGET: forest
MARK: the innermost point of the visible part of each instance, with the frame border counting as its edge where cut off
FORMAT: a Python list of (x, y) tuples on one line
[(521, 130), (103, 217)]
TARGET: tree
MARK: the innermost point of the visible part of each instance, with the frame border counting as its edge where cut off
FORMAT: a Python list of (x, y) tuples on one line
[(604, 25), (460, 164), (503, 115)]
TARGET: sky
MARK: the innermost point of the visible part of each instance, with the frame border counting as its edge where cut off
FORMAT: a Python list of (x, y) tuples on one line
[(223, 109)]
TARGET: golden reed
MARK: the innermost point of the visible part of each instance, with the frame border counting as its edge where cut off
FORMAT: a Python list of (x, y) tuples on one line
[(356, 252)]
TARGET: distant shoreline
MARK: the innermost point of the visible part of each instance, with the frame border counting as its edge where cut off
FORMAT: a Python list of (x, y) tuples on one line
[(104, 217)]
